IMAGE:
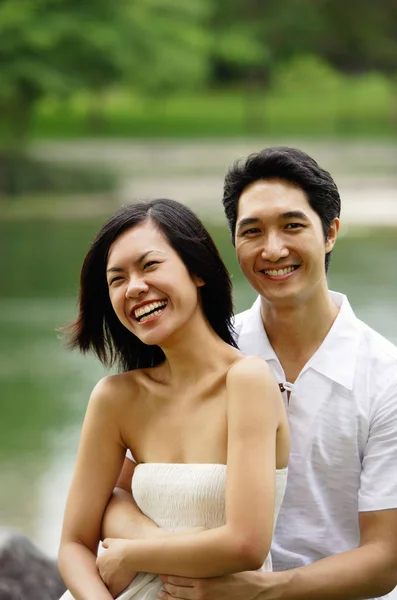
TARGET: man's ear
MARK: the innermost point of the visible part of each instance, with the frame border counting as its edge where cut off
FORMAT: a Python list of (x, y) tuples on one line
[(332, 235)]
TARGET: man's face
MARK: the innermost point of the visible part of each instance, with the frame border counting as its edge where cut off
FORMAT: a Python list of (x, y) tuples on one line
[(280, 241)]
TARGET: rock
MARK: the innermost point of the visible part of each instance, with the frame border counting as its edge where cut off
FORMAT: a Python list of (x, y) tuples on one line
[(25, 572)]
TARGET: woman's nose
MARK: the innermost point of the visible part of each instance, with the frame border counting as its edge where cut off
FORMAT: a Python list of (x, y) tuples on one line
[(136, 287)]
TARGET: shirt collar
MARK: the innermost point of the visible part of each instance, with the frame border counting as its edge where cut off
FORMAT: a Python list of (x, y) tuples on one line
[(253, 337), (335, 358)]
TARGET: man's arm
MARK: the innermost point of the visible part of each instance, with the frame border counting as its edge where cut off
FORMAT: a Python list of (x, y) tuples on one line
[(123, 518), (369, 571)]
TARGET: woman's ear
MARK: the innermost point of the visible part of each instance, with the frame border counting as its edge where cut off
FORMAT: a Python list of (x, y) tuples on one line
[(198, 281)]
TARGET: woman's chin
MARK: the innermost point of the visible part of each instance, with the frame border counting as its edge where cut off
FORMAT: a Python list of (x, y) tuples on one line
[(153, 338)]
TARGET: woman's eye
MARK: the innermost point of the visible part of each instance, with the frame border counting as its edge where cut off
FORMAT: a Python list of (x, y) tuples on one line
[(150, 264), (114, 280)]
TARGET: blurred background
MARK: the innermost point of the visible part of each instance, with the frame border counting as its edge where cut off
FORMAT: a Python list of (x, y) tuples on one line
[(109, 102)]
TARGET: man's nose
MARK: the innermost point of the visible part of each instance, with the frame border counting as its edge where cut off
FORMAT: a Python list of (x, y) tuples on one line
[(136, 287), (274, 248)]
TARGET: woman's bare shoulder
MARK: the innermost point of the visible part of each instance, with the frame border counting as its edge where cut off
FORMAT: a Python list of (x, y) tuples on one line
[(248, 367), (251, 376), (253, 389), (116, 389)]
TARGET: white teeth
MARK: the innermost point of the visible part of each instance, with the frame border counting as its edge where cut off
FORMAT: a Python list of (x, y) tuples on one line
[(148, 308), (157, 312), (278, 272)]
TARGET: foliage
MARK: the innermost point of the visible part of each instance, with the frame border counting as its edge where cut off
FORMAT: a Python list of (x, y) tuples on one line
[(360, 35), (306, 73), (169, 44), (308, 98), (55, 47), (51, 49), (354, 36)]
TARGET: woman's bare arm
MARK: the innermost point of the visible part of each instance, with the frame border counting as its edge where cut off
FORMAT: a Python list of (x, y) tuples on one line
[(243, 543), (99, 460)]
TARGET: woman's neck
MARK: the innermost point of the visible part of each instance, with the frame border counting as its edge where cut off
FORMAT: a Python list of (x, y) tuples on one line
[(194, 351)]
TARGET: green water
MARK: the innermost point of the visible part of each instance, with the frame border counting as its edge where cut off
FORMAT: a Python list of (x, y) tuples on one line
[(44, 388)]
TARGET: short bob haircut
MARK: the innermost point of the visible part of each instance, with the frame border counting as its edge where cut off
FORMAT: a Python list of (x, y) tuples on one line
[(294, 166), (97, 328)]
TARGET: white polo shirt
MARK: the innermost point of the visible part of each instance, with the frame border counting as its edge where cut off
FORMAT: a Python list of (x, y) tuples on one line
[(343, 420)]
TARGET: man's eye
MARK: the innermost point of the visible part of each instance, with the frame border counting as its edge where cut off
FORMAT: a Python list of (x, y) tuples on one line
[(251, 231), (293, 226)]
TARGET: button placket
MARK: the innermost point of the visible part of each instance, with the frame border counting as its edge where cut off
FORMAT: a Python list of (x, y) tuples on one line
[(286, 387)]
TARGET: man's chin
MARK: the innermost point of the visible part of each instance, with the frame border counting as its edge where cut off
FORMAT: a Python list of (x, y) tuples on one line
[(274, 294)]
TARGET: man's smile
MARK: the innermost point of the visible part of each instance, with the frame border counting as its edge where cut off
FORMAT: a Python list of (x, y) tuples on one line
[(280, 274)]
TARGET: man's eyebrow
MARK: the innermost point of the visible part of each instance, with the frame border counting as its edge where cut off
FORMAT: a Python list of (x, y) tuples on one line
[(295, 214), (138, 260), (247, 221)]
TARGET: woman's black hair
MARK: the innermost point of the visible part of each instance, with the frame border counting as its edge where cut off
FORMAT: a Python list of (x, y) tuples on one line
[(97, 328)]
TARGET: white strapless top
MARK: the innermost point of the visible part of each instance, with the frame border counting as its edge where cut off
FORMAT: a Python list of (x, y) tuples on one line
[(181, 496)]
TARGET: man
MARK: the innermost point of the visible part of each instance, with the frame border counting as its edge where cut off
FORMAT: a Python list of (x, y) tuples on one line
[(336, 536)]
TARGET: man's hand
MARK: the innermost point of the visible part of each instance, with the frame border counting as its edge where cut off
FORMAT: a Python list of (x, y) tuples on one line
[(241, 586), (113, 566)]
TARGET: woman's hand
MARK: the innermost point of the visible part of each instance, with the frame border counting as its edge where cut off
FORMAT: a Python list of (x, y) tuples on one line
[(113, 565)]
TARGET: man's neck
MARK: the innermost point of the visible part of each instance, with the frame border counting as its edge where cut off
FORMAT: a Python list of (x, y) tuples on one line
[(297, 329)]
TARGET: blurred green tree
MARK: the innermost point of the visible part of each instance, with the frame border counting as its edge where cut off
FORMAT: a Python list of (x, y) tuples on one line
[(360, 35), (55, 47), (169, 44), (255, 36), (254, 39), (251, 38)]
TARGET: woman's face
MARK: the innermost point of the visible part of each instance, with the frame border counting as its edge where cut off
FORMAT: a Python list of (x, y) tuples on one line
[(151, 291)]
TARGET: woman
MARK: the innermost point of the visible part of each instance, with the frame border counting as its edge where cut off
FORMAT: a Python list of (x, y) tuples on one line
[(155, 298)]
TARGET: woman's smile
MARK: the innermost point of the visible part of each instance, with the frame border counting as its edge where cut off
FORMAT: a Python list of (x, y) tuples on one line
[(149, 311)]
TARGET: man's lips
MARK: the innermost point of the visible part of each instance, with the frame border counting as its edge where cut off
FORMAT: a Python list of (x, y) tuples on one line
[(280, 273)]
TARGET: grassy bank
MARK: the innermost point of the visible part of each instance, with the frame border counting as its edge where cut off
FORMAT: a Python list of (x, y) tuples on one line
[(361, 107)]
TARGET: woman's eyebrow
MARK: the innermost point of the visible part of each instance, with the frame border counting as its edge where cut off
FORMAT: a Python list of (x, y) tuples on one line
[(144, 255), (138, 260)]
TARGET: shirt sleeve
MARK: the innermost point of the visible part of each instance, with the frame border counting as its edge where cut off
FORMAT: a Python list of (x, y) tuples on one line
[(378, 482)]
